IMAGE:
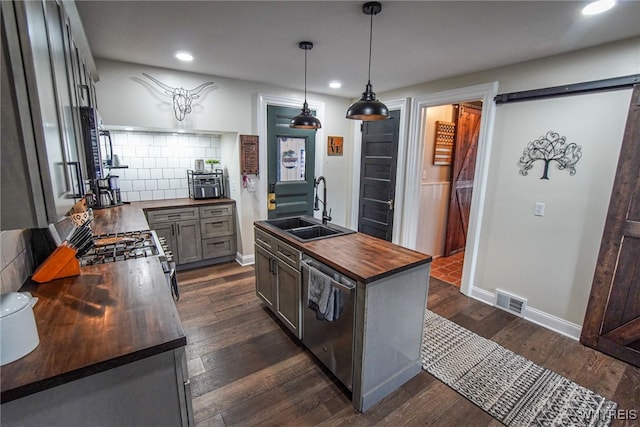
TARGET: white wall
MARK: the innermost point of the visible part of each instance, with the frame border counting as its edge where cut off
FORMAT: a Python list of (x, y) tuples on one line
[(127, 98), (549, 260)]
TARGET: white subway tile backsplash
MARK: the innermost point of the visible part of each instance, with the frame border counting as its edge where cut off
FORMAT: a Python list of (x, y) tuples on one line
[(131, 196), (156, 173), (158, 162), (139, 185), (163, 184), (126, 185), (161, 162), (149, 162), (130, 174), (142, 151), (134, 162)]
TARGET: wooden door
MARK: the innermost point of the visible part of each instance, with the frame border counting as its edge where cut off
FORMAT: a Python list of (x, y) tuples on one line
[(378, 167), (290, 164), (612, 321), (465, 150)]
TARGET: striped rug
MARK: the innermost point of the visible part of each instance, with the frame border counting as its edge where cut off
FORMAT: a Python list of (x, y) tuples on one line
[(509, 387)]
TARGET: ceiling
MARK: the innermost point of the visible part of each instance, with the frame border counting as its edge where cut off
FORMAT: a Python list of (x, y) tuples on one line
[(413, 41)]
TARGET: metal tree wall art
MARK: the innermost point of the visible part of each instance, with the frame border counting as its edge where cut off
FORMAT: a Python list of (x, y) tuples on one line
[(550, 148), (182, 98)]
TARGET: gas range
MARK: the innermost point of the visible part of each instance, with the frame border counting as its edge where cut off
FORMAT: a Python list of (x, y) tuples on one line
[(122, 246)]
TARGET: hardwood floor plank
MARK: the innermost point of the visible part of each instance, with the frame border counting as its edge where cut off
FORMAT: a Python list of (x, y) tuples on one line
[(246, 369)]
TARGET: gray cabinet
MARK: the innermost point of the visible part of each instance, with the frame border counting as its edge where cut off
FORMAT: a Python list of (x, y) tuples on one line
[(181, 228), (278, 279), (40, 148), (197, 235), (218, 231), (188, 241)]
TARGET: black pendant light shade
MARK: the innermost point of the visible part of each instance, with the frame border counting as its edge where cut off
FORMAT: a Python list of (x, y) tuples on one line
[(368, 108), (305, 120)]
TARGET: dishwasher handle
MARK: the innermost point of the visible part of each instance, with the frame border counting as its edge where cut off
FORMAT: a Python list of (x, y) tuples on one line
[(347, 287)]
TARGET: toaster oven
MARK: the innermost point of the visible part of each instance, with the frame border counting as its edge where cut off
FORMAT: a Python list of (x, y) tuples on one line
[(206, 185)]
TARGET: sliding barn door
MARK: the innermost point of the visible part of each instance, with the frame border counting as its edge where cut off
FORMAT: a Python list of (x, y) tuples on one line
[(612, 321), (464, 168)]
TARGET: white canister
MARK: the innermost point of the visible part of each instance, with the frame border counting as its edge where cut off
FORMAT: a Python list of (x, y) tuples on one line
[(18, 330)]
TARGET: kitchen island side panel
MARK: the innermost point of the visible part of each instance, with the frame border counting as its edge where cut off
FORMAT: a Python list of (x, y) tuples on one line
[(391, 317)]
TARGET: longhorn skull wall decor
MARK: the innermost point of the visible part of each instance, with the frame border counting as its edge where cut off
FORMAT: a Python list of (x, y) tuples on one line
[(182, 98)]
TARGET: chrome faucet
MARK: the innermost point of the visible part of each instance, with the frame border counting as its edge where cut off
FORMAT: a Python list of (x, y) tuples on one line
[(316, 183)]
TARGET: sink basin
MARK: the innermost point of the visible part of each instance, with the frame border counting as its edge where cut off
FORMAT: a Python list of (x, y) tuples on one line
[(313, 232), (306, 229), (289, 223)]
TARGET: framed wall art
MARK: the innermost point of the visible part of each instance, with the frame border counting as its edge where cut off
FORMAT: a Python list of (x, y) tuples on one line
[(443, 148), (334, 145)]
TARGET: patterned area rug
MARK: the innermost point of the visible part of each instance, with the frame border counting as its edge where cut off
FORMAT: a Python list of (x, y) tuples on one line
[(512, 389)]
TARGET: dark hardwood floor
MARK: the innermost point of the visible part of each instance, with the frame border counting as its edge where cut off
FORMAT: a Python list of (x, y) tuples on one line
[(246, 370)]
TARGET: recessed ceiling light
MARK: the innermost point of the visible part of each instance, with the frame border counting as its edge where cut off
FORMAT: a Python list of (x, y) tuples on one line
[(335, 85), (599, 6), (128, 129), (184, 56)]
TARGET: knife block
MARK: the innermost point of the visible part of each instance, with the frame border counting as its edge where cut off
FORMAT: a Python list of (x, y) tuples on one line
[(61, 263)]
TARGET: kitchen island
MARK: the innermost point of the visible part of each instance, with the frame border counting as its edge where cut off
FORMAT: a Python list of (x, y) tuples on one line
[(112, 348), (391, 284)]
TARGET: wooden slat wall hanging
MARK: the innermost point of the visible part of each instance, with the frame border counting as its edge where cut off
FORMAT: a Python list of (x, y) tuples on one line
[(443, 150)]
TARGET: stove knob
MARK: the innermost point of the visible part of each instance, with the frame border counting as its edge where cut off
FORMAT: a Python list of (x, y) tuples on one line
[(162, 240)]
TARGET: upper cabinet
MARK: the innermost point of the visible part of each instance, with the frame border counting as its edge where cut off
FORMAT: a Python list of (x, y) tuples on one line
[(47, 73)]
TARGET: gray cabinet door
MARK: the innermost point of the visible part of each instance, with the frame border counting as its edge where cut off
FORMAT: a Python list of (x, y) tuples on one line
[(288, 296), (265, 276), (188, 241)]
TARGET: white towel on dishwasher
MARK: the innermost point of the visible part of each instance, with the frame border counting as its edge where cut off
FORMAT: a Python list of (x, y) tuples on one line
[(321, 295)]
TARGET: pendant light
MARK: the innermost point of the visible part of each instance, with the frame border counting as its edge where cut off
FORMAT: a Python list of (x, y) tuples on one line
[(368, 108), (305, 120)]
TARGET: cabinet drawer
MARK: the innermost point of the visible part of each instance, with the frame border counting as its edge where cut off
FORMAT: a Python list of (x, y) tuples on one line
[(287, 254), (216, 210), (216, 227), (170, 215), (221, 246), (263, 239)]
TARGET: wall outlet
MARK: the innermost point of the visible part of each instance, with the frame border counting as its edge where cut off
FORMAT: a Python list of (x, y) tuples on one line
[(538, 210)]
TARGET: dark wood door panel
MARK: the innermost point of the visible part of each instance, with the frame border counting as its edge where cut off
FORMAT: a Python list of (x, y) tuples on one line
[(612, 320), (378, 176)]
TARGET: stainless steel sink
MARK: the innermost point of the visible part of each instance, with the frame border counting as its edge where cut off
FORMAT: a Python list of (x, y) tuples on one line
[(306, 229)]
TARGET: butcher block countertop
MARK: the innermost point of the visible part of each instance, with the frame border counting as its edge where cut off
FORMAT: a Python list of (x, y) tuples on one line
[(110, 315), (357, 255)]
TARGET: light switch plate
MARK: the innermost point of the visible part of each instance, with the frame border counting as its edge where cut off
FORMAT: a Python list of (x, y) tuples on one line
[(538, 210)]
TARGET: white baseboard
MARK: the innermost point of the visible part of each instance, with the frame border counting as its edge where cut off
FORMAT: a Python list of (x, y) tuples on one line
[(534, 315), (244, 260)]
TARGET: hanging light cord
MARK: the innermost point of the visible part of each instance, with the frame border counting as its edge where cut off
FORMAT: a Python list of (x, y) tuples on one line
[(305, 75), (370, 38)]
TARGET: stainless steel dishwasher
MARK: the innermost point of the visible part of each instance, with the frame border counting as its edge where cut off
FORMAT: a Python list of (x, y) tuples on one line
[(331, 342)]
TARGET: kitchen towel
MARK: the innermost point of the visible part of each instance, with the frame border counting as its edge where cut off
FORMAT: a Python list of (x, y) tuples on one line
[(321, 295)]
